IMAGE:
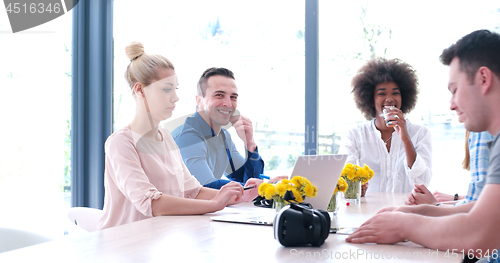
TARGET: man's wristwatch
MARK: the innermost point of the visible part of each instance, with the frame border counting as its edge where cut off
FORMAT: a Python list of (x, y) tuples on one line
[(456, 197)]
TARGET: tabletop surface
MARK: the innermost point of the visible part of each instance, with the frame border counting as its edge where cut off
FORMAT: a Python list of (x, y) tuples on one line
[(199, 239)]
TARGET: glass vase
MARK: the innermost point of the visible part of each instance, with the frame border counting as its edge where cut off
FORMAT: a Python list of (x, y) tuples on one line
[(334, 204), (278, 204), (353, 192)]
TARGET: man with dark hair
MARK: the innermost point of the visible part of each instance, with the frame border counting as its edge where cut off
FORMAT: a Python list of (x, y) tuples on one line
[(208, 149), (472, 228)]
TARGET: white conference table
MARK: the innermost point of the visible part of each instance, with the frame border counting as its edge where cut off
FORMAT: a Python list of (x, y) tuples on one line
[(199, 239)]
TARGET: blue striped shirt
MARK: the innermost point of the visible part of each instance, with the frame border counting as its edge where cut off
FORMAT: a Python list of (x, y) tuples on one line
[(479, 161)]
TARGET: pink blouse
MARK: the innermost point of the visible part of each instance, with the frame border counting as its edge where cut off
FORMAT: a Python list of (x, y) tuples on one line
[(139, 170)]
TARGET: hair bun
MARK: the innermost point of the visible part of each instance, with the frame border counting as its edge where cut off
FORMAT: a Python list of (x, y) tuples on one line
[(134, 50)]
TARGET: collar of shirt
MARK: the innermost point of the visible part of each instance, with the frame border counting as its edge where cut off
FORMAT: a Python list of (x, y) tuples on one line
[(491, 143), (206, 130)]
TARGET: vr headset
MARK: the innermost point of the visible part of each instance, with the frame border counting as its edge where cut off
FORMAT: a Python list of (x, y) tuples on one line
[(298, 225)]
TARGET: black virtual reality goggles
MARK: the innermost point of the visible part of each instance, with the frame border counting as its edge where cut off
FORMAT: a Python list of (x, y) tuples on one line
[(300, 225)]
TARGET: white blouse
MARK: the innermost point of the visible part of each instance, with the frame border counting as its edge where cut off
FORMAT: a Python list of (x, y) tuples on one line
[(363, 145)]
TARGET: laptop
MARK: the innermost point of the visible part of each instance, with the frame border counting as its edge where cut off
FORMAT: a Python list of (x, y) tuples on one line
[(256, 216), (323, 171)]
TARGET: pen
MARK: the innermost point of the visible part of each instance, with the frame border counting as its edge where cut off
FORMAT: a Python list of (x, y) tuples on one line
[(263, 176), (250, 187)]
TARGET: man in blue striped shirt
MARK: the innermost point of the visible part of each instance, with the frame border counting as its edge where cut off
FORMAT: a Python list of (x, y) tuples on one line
[(479, 159)]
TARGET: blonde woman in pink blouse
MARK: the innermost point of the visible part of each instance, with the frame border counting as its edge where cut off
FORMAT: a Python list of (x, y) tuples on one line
[(144, 172)]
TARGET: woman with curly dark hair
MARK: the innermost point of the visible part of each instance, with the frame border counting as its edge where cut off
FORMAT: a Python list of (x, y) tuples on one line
[(398, 151)]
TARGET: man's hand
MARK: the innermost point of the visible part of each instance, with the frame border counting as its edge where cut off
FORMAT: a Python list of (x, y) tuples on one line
[(250, 194), (278, 178), (244, 129), (382, 228)]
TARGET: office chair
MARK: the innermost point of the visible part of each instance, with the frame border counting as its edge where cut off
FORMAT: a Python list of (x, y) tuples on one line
[(84, 218)]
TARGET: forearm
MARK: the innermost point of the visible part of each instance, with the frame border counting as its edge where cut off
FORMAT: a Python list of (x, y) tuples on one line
[(437, 232), (251, 146), (194, 154), (252, 167), (173, 205), (209, 194), (199, 168), (442, 210), (348, 146), (411, 154), (475, 230), (461, 232), (206, 193), (217, 184)]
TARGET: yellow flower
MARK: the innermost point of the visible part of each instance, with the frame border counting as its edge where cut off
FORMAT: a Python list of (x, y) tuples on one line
[(349, 171), (370, 171), (298, 196), (309, 190), (286, 181), (361, 173), (356, 173), (281, 189), (315, 191), (262, 188), (349, 166), (270, 192), (299, 186), (368, 175), (300, 181), (341, 186), (351, 175)]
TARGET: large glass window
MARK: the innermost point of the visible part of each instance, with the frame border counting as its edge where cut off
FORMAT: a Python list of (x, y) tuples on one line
[(260, 41), (352, 32), (35, 115)]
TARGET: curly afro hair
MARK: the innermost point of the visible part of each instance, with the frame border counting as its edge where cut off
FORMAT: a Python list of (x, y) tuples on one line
[(380, 70)]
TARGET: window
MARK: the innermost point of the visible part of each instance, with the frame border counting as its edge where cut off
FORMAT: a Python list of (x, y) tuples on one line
[(35, 72), (266, 55)]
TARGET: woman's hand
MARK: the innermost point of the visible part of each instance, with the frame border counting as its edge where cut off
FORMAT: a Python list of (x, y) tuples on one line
[(442, 197), (395, 116), (364, 187), (421, 195), (230, 193)]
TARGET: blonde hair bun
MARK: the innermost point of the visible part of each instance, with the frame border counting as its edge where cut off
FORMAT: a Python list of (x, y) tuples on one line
[(143, 67), (134, 49)]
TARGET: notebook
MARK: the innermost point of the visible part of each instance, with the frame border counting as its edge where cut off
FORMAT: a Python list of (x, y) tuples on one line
[(323, 171)]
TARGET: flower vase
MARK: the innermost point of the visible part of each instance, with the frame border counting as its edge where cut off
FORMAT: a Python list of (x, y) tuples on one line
[(353, 192), (278, 205), (334, 204)]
